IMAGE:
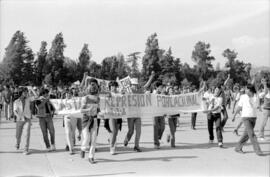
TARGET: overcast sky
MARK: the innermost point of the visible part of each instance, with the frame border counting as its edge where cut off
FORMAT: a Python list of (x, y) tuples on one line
[(112, 26)]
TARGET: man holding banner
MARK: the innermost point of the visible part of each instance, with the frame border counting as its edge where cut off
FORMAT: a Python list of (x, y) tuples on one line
[(90, 109), (158, 121)]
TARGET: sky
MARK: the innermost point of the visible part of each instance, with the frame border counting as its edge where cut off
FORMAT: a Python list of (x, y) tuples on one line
[(113, 26)]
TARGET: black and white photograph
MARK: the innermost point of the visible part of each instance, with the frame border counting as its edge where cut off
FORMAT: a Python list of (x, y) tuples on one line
[(127, 88)]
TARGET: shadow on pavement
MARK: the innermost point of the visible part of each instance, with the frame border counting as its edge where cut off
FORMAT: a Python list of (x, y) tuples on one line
[(165, 159), (107, 174)]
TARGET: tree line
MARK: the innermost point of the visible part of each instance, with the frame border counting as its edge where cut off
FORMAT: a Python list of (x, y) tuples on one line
[(21, 66)]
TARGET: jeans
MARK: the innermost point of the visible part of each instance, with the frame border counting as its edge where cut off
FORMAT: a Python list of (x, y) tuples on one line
[(266, 115), (134, 123), (90, 136), (114, 127), (70, 128), (19, 129), (214, 117), (46, 123), (225, 116), (8, 110), (248, 133), (159, 127), (193, 119), (172, 121)]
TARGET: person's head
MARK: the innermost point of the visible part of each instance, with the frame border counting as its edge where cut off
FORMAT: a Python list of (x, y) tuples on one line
[(68, 94), (159, 86), (217, 91), (175, 88), (170, 90), (113, 86), (44, 92), (250, 90), (6, 87), (93, 86)]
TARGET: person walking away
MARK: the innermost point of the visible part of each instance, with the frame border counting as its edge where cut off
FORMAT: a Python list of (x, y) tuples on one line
[(24, 116)]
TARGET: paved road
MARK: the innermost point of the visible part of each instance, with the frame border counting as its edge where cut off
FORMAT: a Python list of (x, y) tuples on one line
[(193, 156)]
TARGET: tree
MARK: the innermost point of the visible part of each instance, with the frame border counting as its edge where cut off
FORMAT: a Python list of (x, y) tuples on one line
[(39, 63), (84, 60), (168, 68), (151, 57), (201, 56), (238, 70), (95, 69), (18, 60), (55, 59), (133, 61)]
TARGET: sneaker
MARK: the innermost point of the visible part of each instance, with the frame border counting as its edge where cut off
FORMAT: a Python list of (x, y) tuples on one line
[(235, 132), (156, 147), (48, 149), (211, 141), (26, 152), (220, 144), (240, 151), (71, 152), (137, 149), (91, 160), (17, 147), (67, 148), (53, 147), (260, 153), (125, 143), (168, 138), (82, 154), (112, 151)]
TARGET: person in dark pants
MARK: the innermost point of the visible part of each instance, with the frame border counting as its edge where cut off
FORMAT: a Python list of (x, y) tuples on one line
[(158, 121), (214, 116), (45, 111), (248, 103)]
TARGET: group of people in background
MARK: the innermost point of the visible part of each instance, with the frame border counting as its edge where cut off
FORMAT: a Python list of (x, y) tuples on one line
[(22, 104)]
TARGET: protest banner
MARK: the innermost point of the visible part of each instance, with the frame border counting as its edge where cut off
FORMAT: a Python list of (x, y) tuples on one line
[(124, 84), (136, 105)]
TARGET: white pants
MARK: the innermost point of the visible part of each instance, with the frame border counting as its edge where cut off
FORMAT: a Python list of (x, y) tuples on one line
[(89, 136), (70, 128)]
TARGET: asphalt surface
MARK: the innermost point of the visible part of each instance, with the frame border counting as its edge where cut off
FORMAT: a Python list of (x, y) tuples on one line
[(193, 155)]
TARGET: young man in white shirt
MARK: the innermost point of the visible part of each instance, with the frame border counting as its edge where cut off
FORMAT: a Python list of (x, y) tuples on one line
[(24, 116), (248, 103), (214, 115)]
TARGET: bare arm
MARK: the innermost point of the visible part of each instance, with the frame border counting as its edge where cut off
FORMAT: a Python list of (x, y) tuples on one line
[(149, 80), (226, 81)]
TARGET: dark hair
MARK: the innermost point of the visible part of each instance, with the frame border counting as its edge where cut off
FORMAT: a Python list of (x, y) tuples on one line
[(93, 80), (113, 83), (251, 88), (157, 84), (43, 92)]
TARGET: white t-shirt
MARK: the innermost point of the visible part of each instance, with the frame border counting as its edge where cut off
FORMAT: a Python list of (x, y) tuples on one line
[(216, 102), (249, 105)]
